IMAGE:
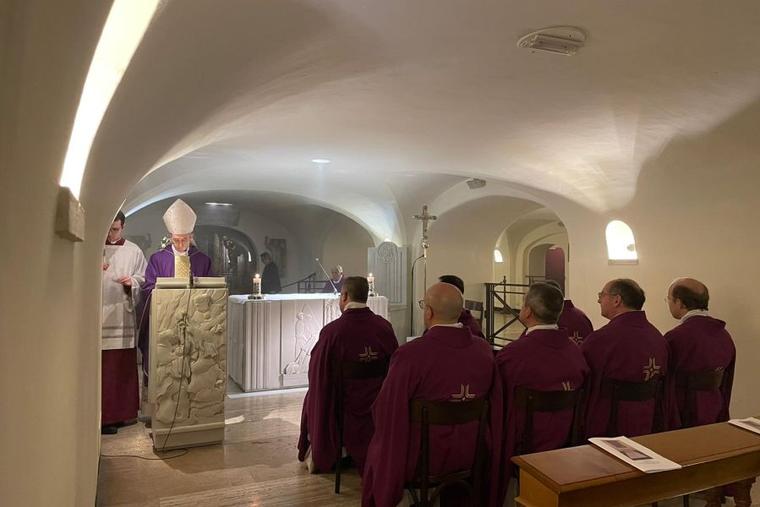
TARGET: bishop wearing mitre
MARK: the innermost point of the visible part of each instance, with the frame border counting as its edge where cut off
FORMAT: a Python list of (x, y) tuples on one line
[(179, 259)]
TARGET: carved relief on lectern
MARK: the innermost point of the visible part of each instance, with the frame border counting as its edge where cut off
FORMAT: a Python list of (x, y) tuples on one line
[(192, 327)]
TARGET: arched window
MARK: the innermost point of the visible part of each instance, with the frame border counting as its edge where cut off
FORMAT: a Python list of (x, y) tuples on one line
[(621, 245), (497, 257)]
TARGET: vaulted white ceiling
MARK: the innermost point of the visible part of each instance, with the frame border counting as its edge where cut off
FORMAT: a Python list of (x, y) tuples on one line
[(409, 98)]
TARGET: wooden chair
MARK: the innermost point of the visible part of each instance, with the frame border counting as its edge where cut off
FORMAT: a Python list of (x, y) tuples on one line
[(531, 401), (621, 390), (352, 370), (475, 306), (694, 383), (446, 413)]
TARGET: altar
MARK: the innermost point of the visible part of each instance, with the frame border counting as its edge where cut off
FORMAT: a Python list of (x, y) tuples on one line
[(270, 339)]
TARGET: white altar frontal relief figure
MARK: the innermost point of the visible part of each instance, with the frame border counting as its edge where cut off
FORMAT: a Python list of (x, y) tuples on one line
[(190, 357), (306, 331)]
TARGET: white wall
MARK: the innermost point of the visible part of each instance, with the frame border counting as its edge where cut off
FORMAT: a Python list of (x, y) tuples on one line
[(49, 297)]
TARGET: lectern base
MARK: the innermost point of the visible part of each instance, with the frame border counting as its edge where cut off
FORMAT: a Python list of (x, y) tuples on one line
[(188, 436)]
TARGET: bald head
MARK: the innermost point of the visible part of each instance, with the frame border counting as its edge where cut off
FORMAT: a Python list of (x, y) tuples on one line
[(687, 294), (443, 304)]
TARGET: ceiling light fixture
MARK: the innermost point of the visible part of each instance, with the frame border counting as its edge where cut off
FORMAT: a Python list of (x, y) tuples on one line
[(218, 204), (560, 40), (321, 161)]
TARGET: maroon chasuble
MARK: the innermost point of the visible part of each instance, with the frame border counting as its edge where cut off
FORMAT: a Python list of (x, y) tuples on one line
[(468, 321), (445, 364), (702, 343), (631, 349), (357, 335), (542, 360), (576, 322)]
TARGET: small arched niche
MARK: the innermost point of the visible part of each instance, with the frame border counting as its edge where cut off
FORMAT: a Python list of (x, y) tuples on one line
[(621, 244)]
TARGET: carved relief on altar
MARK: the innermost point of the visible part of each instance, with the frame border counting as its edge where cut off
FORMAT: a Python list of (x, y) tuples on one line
[(188, 356), (387, 262), (301, 323)]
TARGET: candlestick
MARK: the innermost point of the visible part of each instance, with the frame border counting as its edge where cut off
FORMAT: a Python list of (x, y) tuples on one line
[(371, 282)]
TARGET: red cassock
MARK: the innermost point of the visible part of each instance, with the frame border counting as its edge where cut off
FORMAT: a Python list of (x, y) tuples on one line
[(542, 360), (576, 322), (701, 343), (357, 335), (468, 321), (446, 363), (630, 349)]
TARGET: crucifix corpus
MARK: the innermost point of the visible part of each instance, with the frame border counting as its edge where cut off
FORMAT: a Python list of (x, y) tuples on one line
[(426, 218)]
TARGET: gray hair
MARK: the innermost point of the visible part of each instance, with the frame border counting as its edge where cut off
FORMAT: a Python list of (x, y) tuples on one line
[(545, 300)]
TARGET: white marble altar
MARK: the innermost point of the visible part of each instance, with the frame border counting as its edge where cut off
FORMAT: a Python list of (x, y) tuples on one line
[(270, 339), (188, 365)]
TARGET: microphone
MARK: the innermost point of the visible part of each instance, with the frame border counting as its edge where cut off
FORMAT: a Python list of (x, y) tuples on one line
[(335, 289)]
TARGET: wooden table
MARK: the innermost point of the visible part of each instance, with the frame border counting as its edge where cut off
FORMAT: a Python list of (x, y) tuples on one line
[(586, 476)]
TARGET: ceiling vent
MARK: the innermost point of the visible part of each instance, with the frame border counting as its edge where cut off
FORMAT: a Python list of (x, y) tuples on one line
[(560, 40), (474, 183)]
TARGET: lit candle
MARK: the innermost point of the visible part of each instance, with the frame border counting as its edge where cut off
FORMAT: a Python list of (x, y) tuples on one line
[(257, 285), (370, 278)]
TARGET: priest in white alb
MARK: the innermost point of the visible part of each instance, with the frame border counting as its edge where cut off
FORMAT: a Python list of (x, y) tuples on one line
[(123, 274)]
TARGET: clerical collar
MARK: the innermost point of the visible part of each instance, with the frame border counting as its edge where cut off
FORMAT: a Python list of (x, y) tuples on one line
[(539, 327), (182, 254), (456, 324), (352, 305), (695, 313), (119, 242)]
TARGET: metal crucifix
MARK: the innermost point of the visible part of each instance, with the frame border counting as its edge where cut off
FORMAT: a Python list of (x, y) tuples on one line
[(426, 219)]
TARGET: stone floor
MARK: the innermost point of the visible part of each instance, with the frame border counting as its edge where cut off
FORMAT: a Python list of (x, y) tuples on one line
[(256, 465)]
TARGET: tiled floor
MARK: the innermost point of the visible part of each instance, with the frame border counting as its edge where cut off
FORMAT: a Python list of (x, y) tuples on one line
[(256, 465)]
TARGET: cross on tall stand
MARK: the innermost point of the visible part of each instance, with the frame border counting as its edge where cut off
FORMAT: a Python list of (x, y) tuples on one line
[(426, 218)]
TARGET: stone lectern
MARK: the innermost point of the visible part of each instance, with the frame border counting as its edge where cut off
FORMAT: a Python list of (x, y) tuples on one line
[(188, 362)]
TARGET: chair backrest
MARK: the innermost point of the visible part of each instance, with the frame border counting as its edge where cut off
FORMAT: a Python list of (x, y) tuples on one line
[(365, 369), (531, 401), (475, 306), (352, 370), (694, 382), (622, 390), (446, 413)]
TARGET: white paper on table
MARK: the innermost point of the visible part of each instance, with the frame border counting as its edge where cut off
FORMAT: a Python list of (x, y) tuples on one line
[(635, 454), (234, 420), (750, 423)]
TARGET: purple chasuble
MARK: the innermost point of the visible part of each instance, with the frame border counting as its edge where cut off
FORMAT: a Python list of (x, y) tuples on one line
[(468, 321), (161, 264), (357, 335), (631, 349), (576, 322), (542, 360), (445, 364), (702, 343)]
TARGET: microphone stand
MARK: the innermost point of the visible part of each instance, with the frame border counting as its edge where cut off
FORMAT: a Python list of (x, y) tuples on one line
[(335, 289)]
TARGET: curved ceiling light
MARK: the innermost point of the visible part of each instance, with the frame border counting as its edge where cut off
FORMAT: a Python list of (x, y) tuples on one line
[(560, 40), (122, 33)]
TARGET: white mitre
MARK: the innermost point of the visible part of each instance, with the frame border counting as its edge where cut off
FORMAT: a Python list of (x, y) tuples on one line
[(180, 218)]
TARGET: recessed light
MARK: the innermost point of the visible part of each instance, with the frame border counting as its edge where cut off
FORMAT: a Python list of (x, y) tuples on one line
[(321, 160), (218, 204)]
